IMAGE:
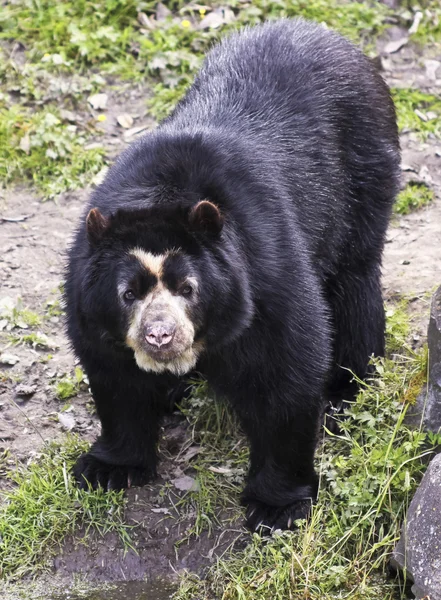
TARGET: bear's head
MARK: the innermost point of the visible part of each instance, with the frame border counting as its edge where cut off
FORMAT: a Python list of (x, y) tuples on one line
[(165, 282)]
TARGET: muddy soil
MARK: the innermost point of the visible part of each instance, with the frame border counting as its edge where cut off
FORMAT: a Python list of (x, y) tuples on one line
[(32, 255)]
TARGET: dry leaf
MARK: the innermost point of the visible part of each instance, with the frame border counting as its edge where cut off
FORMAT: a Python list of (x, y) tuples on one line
[(191, 452), (160, 511), (134, 131), (125, 120), (67, 421), (416, 22), (162, 12), (222, 470), (145, 21), (396, 45), (420, 114), (25, 143)]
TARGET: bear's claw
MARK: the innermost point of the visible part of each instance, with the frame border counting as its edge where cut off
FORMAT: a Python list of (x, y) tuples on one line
[(90, 472), (265, 519)]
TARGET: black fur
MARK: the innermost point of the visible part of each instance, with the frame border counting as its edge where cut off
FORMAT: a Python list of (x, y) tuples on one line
[(291, 132)]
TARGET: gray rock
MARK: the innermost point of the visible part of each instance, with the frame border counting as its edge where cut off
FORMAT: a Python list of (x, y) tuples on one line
[(419, 549), (427, 409)]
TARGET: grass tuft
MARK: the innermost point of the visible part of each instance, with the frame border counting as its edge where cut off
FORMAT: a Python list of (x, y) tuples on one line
[(67, 387), (413, 197), (418, 112), (220, 466), (41, 148), (44, 505)]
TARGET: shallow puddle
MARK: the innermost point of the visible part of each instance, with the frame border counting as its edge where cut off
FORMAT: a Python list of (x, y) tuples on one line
[(127, 590)]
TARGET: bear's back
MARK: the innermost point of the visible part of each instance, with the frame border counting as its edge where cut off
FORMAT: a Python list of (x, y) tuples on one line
[(290, 72)]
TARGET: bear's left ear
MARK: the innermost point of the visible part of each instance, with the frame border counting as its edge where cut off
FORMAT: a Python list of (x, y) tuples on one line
[(205, 217)]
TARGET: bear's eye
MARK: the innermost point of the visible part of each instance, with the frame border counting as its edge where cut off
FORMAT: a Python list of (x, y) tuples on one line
[(129, 295), (187, 290)]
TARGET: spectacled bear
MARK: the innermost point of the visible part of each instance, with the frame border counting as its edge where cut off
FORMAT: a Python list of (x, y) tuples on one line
[(241, 239)]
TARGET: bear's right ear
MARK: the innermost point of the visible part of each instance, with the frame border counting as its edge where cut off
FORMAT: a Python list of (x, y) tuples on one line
[(96, 225), (206, 217)]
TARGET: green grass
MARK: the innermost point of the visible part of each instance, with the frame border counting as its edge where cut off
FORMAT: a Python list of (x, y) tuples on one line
[(35, 339), (44, 505), (429, 29), (64, 41), (67, 387), (39, 147), (398, 326), (413, 197), (16, 315), (427, 122), (108, 34), (220, 466)]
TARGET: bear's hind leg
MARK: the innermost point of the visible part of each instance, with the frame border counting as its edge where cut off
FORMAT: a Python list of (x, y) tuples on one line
[(359, 324)]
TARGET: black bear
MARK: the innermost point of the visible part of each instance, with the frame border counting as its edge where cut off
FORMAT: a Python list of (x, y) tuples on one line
[(241, 239)]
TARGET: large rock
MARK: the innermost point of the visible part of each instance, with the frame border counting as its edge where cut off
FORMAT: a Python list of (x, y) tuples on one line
[(427, 409), (419, 549)]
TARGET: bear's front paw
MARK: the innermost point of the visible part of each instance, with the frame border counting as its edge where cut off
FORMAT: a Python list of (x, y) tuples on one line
[(92, 472), (265, 519)]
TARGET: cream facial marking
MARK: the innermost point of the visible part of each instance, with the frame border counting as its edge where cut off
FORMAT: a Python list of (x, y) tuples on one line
[(152, 262), (160, 305)]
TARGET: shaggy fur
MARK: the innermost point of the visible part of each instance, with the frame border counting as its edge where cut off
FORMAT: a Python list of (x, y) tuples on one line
[(290, 132)]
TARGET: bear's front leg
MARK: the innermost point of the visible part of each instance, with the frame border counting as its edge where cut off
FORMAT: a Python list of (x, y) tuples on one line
[(282, 484), (129, 408)]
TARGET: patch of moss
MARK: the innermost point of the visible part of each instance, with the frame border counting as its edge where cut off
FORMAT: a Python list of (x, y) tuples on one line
[(429, 28), (413, 197), (42, 148), (418, 112), (66, 387)]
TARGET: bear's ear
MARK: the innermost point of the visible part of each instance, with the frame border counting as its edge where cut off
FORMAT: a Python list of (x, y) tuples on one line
[(96, 225), (205, 217)]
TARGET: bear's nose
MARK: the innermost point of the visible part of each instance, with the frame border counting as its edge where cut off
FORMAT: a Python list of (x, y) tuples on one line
[(160, 333)]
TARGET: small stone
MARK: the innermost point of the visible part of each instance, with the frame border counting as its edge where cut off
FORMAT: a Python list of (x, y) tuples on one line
[(25, 390), (8, 359), (25, 143), (98, 101), (432, 67), (186, 484), (425, 175), (395, 45), (161, 511)]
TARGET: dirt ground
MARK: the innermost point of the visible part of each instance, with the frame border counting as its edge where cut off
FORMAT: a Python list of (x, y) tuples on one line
[(32, 255)]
